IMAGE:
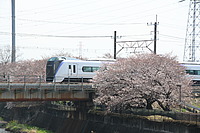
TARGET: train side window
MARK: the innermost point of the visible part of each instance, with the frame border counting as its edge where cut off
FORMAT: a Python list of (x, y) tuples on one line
[(70, 67), (198, 72), (95, 69), (193, 72), (190, 72), (86, 69), (74, 68), (90, 69)]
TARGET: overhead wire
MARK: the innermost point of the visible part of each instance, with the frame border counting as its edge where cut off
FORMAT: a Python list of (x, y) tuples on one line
[(60, 36), (117, 17), (86, 23), (91, 25), (73, 15), (77, 23), (169, 36)]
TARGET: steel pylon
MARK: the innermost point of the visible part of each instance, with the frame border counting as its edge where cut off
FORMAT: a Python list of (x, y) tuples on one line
[(192, 40)]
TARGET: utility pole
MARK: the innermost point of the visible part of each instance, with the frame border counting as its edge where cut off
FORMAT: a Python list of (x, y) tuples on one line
[(13, 31), (115, 43), (155, 34)]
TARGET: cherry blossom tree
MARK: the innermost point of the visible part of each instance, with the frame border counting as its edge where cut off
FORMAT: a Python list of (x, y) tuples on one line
[(141, 81), (25, 67)]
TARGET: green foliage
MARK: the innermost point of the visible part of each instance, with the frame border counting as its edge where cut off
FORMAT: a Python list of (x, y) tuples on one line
[(16, 127), (1, 119)]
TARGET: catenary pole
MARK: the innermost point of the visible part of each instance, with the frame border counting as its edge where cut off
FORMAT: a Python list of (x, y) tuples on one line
[(115, 38)]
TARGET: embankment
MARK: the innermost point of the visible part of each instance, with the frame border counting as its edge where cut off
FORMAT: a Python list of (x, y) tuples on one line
[(60, 121)]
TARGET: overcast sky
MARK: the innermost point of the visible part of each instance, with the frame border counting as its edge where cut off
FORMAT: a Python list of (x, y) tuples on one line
[(44, 27)]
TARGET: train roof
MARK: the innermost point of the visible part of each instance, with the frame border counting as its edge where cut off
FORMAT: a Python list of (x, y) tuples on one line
[(190, 63), (61, 58), (84, 62), (81, 61), (102, 59)]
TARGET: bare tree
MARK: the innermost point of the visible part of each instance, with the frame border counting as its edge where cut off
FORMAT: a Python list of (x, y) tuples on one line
[(107, 56), (141, 81), (5, 55)]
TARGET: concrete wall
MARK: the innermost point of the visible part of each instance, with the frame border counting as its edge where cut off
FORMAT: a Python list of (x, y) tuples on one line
[(60, 121)]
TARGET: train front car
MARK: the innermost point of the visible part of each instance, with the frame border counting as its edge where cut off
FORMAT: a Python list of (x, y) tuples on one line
[(76, 71), (65, 69), (52, 66)]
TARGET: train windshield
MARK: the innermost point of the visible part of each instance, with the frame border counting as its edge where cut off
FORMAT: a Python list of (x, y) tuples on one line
[(56, 58)]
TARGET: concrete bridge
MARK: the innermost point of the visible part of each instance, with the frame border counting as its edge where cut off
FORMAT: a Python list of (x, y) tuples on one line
[(34, 88)]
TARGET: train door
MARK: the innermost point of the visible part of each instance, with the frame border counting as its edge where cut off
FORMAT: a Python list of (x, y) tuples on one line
[(73, 70)]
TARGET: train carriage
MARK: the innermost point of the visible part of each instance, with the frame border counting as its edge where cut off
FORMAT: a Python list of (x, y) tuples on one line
[(64, 69), (193, 71), (61, 69)]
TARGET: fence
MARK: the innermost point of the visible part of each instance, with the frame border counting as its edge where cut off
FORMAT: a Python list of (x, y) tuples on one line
[(22, 78), (159, 115)]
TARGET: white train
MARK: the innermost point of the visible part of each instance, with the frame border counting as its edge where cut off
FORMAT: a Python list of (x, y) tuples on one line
[(193, 70), (61, 69)]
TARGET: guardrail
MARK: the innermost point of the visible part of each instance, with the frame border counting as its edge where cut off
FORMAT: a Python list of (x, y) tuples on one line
[(22, 78), (38, 79), (33, 87), (38, 82), (190, 107)]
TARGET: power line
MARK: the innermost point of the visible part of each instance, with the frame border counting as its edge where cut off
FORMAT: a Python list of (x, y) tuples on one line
[(42, 35), (169, 36), (75, 23), (93, 23)]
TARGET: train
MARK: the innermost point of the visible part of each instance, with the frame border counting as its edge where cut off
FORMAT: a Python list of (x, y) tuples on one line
[(65, 69), (193, 71)]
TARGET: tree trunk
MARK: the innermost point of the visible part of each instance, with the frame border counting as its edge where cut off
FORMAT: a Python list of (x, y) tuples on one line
[(165, 108), (149, 104)]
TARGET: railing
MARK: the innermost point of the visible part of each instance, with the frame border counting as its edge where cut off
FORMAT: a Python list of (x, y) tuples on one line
[(190, 107), (33, 88), (10, 82), (160, 115), (22, 79), (39, 79)]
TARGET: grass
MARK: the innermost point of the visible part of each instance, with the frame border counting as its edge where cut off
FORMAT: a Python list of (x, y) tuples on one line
[(14, 126), (195, 102), (158, 118), (151, 115), (1, 119)]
